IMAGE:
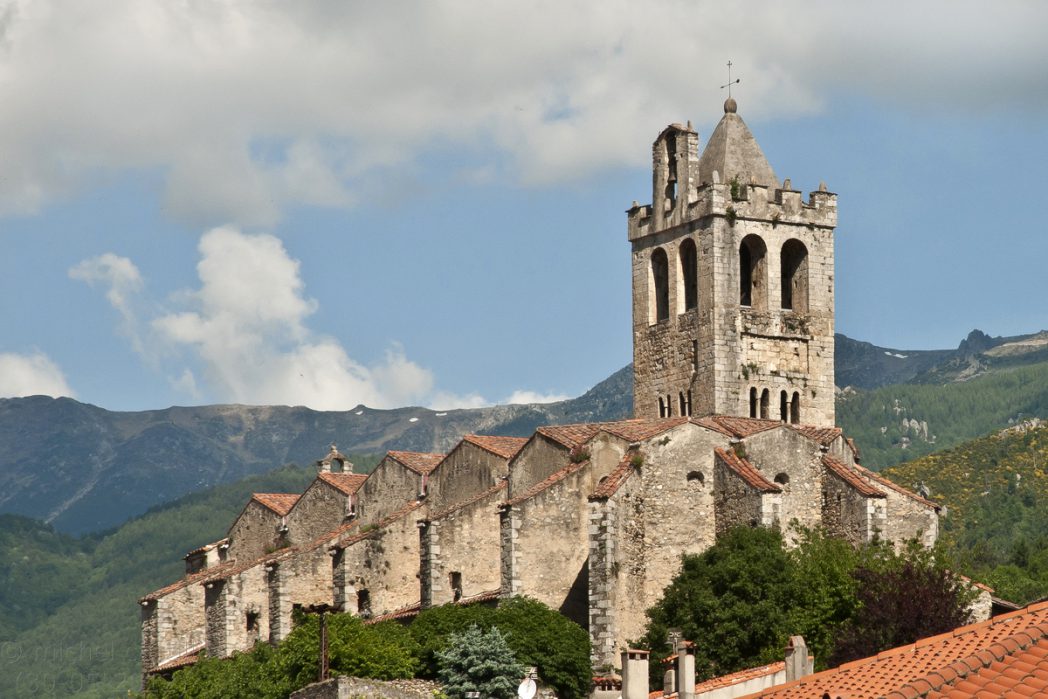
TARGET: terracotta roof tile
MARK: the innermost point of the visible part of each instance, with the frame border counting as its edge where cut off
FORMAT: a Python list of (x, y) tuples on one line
[(501, 485), (610, 483), (821, 435), (851, 478), (867, 473), (419, 462), (738, 427), (635, 430), (746, 471), (280, 503), (346, 483), (992, 658), (505, 447), (181, 583), (554, 477), (727, 680)]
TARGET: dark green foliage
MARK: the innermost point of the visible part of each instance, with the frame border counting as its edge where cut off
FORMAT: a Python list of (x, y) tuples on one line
[(539, 636), (478, 660), (745, 596), (381, 651)]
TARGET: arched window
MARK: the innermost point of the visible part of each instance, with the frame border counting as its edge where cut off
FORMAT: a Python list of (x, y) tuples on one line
[(794, 259), (753, 402), (784, 402), (782, 479), (752, 275), (696, 478), (660, 281), (662, 407), (795, 408), (765, 399), (689, 281)]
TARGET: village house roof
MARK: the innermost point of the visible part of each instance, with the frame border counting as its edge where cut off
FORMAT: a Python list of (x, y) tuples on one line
[(726, 680), (419, 462), (745, 470), (851, 478), (346, 483), (505, 447), (280, 503), (208, 547), (189, 657), (1003, 656)]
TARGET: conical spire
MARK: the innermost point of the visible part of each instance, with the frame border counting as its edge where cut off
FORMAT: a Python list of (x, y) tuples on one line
[(733, 153)]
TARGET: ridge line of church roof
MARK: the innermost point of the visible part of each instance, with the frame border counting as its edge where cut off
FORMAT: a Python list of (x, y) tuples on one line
[(746, 471), (488, 442), (851, 478), (411, 459), (335, 481), (277, 502)]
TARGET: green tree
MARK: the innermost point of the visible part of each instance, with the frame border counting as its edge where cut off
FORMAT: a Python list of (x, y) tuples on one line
[(479, 661)]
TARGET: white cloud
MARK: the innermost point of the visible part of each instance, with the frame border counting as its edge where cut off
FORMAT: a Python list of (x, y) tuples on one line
[(251, 107), (30, 375), (247, 328), (535, 397), (124, 283)]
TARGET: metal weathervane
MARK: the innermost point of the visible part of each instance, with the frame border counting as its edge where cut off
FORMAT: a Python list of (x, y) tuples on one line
[(731, 82)]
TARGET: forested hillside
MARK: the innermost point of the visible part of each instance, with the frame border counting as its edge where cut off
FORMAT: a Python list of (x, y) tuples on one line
[(995, 496), (68, 612), (895, 423)]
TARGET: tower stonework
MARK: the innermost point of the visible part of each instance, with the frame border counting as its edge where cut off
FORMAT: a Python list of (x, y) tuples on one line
[(732, 284)]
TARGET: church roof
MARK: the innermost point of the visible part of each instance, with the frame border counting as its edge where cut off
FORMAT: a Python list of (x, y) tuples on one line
[(419, 462), (851, 478), (733, 152), (506, 447), (346, 483), (280, 503), (745, 470)]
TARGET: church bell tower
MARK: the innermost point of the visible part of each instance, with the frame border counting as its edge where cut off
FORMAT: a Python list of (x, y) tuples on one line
[(732, 284)]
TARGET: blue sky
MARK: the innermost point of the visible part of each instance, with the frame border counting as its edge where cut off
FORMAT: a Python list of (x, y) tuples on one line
[(330, 203)]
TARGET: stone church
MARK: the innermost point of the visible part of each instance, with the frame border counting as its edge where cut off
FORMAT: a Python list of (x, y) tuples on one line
[(733, 425)]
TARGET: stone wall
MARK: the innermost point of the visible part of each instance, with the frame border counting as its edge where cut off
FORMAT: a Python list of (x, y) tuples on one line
[(907, 516), (172, 625), (387, 489), (737, 503), (464, 541), (321, 508), (237, 611), (384, 562), (540, 458), (794, 462), (343, 687), (300, 579), (466, 472), (254, 533)]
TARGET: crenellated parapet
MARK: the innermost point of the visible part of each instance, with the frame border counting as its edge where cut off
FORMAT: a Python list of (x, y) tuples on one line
[(733, 202)]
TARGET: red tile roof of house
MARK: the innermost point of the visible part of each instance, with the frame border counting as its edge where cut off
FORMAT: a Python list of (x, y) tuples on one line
[(610, 483), (746, 471), (489, 493), (728, 680), (876, 477), (419, 462), (851, 478), (346, 483), (1006, 656), (505, 447), (280, 503)]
